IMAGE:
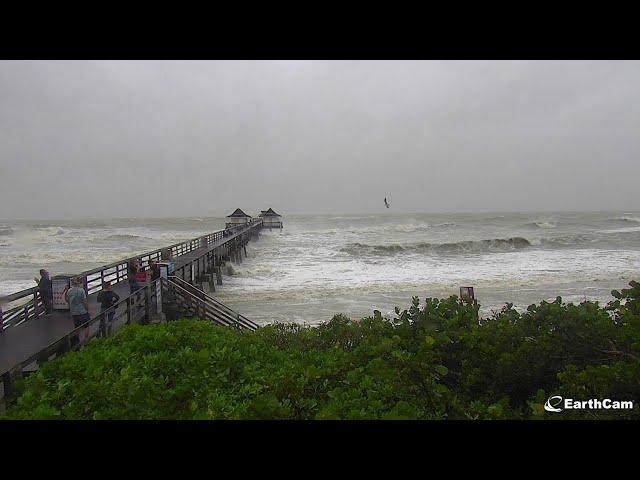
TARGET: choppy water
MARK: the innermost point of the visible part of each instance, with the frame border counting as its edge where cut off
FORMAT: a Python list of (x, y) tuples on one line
[(76, 246), (321, 265)]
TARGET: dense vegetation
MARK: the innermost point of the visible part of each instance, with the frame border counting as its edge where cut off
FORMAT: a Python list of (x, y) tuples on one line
[(436, 361)]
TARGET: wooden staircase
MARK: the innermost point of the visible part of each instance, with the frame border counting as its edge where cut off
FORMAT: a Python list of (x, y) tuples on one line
[(190, 301)]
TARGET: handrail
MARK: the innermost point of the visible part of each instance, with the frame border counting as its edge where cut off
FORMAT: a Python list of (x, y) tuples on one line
[(188, 286), (21, 294), (220, 315), (228, 317), (210, 307), (199, 307), (114, 272), (147, 293), (226, 320)]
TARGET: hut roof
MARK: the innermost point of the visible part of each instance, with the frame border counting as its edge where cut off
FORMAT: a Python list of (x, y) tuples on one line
[(238, 213), (269, 213)]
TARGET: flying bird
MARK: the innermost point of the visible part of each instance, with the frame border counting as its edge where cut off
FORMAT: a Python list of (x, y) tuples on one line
[(386, 204)]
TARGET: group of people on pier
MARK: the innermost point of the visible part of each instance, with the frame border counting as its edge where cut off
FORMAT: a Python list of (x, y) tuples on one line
[(76, 297)]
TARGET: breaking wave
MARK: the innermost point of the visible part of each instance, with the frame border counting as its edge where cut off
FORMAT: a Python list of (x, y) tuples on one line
[(467, 246), (126, 236), (239, 271), (408, 228), (626, 219), (84, 258), (542, 224), (570, 240), (50, 230), (369, 229), (621, 230)]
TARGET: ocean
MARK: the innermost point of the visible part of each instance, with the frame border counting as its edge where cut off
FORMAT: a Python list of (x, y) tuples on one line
[(321, 265)]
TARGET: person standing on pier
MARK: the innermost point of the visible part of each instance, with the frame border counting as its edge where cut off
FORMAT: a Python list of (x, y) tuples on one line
[(107, 299), (76, 297), (46, 291), (131, 275), (155, 270)]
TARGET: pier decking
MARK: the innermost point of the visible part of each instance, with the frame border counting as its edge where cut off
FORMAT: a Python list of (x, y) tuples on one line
[(31, 336)]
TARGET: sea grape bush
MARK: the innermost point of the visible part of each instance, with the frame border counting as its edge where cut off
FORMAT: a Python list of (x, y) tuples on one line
[(435, 361)]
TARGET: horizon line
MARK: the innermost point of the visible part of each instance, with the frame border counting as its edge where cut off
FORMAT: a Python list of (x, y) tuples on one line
[(383, 213)]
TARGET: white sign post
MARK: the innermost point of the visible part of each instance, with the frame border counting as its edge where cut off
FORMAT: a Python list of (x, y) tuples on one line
[(58, 284)]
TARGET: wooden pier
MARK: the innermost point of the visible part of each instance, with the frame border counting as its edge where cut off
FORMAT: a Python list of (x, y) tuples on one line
[(30, 337)]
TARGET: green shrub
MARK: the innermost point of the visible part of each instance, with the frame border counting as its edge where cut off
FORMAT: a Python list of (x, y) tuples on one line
[(438, 361)]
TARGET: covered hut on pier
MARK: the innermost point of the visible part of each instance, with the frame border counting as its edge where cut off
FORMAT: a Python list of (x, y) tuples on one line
[(238, 217), (271, 219)]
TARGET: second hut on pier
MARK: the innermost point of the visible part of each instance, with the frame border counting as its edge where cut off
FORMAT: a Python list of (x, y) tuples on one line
[(237, 218), (271, 219)]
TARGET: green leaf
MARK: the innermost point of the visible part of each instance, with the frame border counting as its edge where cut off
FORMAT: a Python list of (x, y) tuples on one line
[(441, 369)]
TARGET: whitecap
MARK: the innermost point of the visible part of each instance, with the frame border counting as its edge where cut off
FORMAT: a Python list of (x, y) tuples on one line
[(621, 230), (543, 224), (628, 219)]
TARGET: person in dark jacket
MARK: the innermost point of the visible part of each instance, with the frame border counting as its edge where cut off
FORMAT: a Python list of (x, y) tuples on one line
[(46, 291), (107, 299), (131, 275), (155, 270)]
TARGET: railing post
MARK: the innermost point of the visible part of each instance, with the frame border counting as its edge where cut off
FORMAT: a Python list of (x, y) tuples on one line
[(7, 383), (160, 299), (13, 375), (212, 283), (128, 310), (218, 275), (64, 347), (147, 305), (35, 305), (42, 357)]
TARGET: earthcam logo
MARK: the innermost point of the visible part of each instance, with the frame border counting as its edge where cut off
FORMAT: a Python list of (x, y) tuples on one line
[(556, 403)]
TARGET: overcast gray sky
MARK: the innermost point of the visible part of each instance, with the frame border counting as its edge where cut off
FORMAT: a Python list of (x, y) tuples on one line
[(172, 138)]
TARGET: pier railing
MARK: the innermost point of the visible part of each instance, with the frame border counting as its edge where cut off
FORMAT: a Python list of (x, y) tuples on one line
[(139, 307), (199, 303), (30, 303)]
